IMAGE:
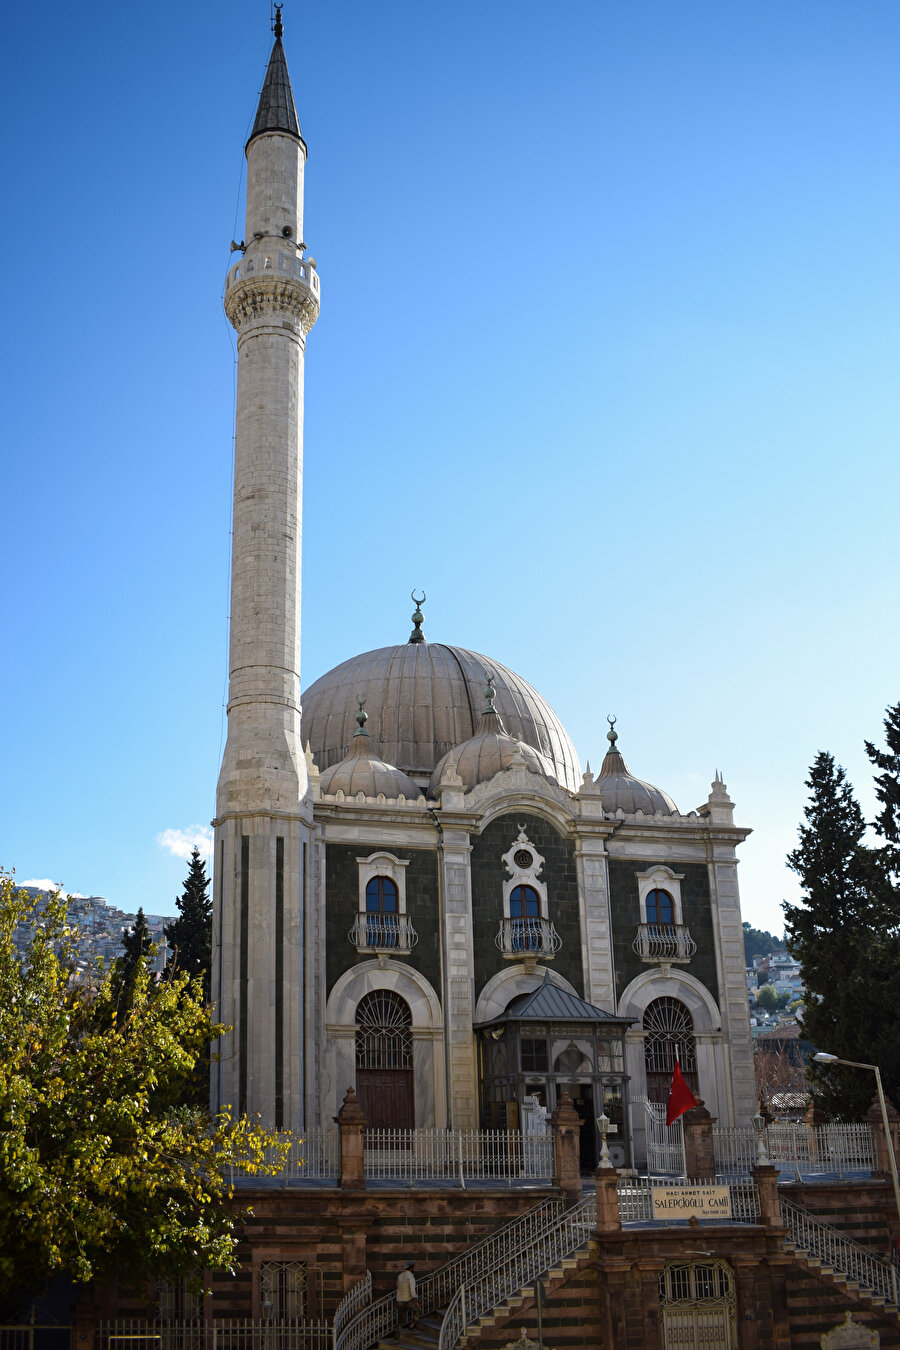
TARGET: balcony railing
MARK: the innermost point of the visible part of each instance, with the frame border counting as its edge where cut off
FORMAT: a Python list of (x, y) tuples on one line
[(664, 942), (383, 933), (527, 938)]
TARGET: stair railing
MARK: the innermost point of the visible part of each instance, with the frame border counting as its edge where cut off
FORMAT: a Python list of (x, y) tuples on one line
[(811, 1237), (521, 1266), (379, 1319)]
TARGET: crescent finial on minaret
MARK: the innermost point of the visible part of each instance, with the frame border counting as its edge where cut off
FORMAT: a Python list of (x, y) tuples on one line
[(278, 26)]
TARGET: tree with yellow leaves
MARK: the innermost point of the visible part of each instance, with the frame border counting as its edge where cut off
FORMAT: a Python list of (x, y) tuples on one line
[(101, 1163)]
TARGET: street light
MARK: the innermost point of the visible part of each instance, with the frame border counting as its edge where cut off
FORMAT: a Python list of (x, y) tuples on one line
[(822, 1057)]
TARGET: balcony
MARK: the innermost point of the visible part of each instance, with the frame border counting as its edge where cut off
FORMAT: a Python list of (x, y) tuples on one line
[(387, 933), (669, 942), (527, 939)]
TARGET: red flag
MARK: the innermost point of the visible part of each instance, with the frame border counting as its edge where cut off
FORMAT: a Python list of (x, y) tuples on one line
[(681, 1098)]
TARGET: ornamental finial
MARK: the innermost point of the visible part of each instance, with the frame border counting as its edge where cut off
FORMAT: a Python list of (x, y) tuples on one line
[(418, 618), (612, 735), (490, 692), (278, 26), (362, 716)]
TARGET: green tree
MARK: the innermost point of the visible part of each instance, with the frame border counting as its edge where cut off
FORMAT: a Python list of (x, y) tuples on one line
[(758, 942), (845, 935), (887, 788), (190, 935), (100, 1167), (137, 950)]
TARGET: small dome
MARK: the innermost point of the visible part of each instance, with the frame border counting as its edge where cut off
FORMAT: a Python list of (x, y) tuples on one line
[(488, 753), (360, 771), (618, 789)]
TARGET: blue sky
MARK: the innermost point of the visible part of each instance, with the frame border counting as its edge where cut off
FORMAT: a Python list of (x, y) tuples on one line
[(606, 363)]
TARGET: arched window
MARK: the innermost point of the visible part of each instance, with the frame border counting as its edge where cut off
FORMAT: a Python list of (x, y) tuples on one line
[(660, 909), (384, 1060), (381, 912), (525, 913), (669, 1036), (383, 1031)]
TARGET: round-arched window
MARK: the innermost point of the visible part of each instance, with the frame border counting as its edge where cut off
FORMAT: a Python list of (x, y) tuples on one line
[(383, 1031), (660, 907), (669, 1036), (381, 913)]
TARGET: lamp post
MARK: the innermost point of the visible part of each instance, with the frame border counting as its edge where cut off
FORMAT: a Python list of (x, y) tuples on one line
[(823, 1058)]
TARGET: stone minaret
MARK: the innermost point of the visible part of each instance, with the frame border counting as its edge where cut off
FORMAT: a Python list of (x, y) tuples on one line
[(262, 864)]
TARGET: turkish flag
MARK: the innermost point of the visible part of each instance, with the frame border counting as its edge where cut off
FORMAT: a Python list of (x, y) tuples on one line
[(681, 1098)]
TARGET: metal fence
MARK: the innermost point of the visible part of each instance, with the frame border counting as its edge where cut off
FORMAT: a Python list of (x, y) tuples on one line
[(232, 1333), (314, 1156), (804, 1150), (636, 1199), (665, 1143), (457, 1155), (411, 1156), (23, 1335)]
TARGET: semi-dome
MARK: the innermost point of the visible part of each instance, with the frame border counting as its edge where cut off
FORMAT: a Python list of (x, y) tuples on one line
[(423, 699), (618, 789), (488, 753), (362, 771)]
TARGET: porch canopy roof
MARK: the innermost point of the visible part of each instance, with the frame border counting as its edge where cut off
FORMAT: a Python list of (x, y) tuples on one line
[(549, 1003)]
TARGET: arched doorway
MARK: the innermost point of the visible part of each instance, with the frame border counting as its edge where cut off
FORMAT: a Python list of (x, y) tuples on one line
[(698, 1306), (669, 1030), (384, 1060)]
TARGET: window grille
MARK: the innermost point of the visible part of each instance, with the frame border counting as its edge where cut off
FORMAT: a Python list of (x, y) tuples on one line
[(383, 1031), (670, 1033), (282, 1288), (177, 1300)]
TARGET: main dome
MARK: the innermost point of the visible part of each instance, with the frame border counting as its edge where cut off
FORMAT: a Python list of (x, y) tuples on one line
[(424, 698)]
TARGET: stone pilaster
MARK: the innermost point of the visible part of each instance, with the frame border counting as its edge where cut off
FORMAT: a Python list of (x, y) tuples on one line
[(597, 946), (459, 996)]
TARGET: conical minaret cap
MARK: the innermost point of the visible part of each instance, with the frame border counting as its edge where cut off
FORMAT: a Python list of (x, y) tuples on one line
[(276, 111)]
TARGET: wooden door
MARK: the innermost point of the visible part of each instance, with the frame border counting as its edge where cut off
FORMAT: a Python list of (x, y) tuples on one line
[(386, 1097)]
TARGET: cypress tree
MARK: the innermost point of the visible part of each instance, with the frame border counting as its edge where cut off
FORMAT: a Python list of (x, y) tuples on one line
[(845, 935), (190, 935), (887, 788), (137, 947)]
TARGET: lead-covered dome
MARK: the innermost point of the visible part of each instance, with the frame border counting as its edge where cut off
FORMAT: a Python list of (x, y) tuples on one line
[(618, 788), (362, 771), (488, 753), (424, 698)]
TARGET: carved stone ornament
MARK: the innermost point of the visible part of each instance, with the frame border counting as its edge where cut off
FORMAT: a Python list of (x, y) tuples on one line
[(523, 1343), (260, 295), (523, 861), (850, 1335)]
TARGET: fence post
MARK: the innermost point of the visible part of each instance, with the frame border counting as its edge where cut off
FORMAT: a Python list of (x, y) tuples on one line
[(351, 1123), (606, 1181), (566, 1125), (462, 1170), (876, 1125), (766, 1178), (699, 1150)]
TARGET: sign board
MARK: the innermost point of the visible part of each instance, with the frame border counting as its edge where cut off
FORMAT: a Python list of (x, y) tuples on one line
[(683, 1202)]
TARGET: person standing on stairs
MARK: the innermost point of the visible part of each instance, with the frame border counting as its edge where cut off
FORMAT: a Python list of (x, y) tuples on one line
[(407, 1302)]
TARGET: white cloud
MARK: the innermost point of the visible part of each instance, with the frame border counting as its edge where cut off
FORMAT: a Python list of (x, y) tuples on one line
[(181, 842), (45, 884)]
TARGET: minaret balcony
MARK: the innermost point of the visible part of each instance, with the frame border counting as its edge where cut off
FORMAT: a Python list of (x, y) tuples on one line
[(527, 939), (668, 942), (276, 263), (383, 934)]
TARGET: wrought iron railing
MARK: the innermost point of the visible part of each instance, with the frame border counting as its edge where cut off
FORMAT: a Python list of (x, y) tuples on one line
[(636, 1198), (222, 1333), (357, 1297), (457, 1155), (825, 1245), (527, 937), (663, 942), (665, 1143), (524, 1261), (314, 1156), (383, 933), (805, 1150), (437, 1289)]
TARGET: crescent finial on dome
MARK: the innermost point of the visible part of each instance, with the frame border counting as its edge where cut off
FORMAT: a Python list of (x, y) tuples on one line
[(418, 617)]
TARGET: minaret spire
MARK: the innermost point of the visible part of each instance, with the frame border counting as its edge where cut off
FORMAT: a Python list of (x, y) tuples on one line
[(277, 110), (263, 809)]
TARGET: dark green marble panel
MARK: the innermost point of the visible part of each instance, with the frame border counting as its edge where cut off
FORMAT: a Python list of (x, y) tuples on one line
[(696, 911)]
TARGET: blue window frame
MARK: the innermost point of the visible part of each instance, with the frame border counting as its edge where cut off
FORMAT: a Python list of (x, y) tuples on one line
[(381, 912), (525, 913), (660, 908)]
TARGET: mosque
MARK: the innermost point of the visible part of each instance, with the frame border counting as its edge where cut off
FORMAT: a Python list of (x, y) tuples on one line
[(418, 892)]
